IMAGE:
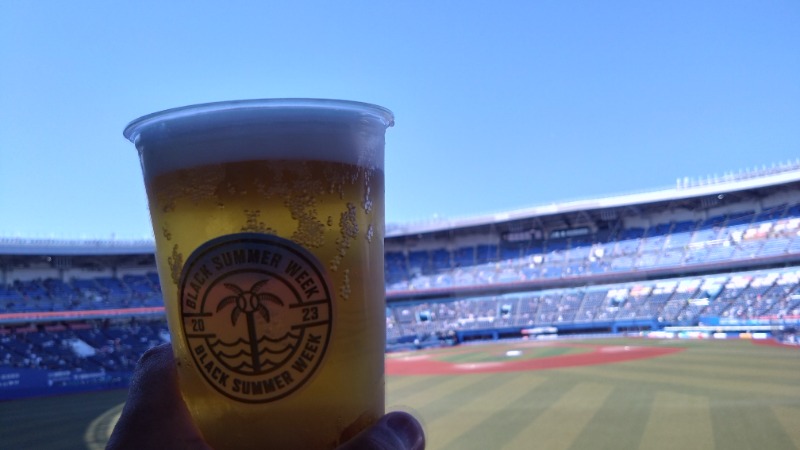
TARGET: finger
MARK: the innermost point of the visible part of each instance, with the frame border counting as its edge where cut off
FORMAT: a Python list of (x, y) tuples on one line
[(395, 431), (155, 415)]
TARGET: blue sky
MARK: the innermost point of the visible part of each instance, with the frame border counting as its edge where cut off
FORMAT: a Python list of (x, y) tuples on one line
[(499, 105)]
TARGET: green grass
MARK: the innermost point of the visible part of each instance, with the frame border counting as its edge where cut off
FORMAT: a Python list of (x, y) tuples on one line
[(53, 423), (720, 394), (725, 395)]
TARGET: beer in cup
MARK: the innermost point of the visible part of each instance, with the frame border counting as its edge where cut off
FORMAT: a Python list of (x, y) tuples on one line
[(268, 218)]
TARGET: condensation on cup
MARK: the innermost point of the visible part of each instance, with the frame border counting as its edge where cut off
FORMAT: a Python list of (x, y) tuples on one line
[(268, 217)]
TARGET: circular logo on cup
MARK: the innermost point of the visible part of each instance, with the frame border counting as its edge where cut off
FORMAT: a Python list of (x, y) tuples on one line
[(257, 314)]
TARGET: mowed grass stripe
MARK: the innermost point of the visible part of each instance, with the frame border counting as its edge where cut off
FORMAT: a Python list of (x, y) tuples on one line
[(416, 384), (498, 429), (678, 421), (621, 421), (396, 382), (479, 405), (31, 433), (745, 425), (52, 423), (749, 360), (789, 418), (639, 372), (730, 371), (786, 362), (431, 394), (576, 407)]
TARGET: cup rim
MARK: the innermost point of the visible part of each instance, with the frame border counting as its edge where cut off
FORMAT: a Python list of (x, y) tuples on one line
[(135, 126)]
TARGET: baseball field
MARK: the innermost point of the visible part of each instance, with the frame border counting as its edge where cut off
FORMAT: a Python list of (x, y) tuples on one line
[(587, 394)]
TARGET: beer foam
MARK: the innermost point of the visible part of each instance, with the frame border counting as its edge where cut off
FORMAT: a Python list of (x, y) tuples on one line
[(276, 129)]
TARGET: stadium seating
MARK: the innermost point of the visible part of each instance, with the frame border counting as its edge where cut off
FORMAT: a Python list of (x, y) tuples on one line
[(678, 272), (748, 295), (98, 345), (736, 236), (81, 294), (80, 346)]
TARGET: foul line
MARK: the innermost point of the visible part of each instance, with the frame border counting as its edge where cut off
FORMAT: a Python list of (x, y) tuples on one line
[(98, 432)]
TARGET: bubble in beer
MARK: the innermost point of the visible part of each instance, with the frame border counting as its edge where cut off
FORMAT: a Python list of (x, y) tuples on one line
[(367, 201), (262, 188), (349, 222), (348, 228), (253, 224), (201, 184), (167, 235), (336, 181), (175, 264), (344, 290), (196, 184), (167, 196), (232, 189), (310, 232), (370, 233), (299, 189)]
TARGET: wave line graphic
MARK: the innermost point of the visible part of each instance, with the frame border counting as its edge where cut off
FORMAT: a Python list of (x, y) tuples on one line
[(229, 344), (241, 355), (243, 365), (241, 352), (280, 339), (287, 348)]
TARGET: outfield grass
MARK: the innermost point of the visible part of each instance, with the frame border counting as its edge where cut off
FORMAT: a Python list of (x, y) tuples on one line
[(723, 395), (54, 423)]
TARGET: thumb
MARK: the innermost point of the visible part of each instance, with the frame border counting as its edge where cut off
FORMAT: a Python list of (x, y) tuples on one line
[(395, 431), (155, 415)]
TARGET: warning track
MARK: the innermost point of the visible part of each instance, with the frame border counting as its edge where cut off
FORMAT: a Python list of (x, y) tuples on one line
[(428, 364)]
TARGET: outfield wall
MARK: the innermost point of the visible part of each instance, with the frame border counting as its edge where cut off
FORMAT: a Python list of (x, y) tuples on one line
[(26, 383), (18, 383)]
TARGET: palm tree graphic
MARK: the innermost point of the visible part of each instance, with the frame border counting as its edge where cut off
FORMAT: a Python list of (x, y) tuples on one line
[(250, 302)]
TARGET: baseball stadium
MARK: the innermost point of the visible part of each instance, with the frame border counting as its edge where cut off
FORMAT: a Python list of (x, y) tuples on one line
[(663, 319)]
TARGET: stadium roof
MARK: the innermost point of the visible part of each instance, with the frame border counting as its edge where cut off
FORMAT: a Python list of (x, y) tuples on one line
[(73, 247), (685, 189)]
